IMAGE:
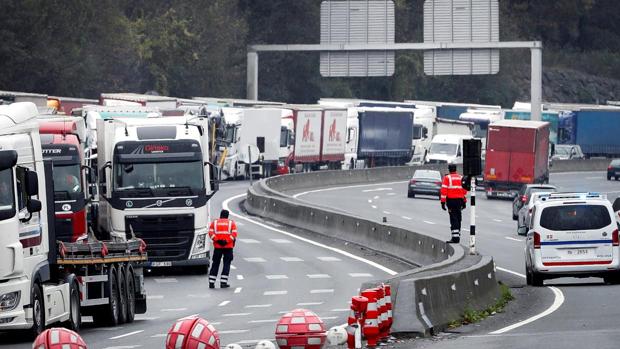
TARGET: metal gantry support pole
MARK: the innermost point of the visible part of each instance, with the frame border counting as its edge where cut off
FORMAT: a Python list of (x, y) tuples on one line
[(472, 217), (536, 83), (252, 76)]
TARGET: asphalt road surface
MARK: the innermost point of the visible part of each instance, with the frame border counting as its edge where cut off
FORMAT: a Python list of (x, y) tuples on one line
[(582, 312), (273, 273)]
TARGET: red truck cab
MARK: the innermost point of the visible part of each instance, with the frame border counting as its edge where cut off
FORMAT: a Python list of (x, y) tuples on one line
[(63, 148)]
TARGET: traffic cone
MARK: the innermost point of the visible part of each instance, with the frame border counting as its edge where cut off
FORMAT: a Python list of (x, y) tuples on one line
[(388, 301), (371, 322)]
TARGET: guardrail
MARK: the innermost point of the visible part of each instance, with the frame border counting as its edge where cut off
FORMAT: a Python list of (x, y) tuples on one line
[(426, 298)]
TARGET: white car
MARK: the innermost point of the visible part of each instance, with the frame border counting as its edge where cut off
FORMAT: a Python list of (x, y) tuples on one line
[(572, 234), (523, 219)]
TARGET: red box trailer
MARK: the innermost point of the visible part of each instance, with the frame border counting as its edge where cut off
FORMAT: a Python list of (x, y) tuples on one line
[(517, 153)]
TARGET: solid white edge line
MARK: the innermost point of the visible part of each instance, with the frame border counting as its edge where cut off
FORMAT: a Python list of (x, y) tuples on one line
[(345, 187), (127, 334), (226, 206), (557, 303)]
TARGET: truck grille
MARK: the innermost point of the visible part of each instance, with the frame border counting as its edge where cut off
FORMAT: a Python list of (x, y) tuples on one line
[(167, 237), (437, 161)]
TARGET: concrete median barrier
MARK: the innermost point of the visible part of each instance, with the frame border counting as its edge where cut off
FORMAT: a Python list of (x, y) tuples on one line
[(446, 282), (579, 165)]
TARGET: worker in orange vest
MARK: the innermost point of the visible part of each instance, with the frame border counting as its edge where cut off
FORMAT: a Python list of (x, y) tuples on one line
[(454, 196), (223, 233)]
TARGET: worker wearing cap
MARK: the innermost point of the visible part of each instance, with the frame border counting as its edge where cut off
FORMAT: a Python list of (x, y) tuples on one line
[(454, 196), (223, 233)]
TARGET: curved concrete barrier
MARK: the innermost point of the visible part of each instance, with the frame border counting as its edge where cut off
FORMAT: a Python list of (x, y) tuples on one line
[(428, 297)]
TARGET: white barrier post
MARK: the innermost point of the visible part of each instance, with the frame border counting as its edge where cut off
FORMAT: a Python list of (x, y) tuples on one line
[(472, 217)]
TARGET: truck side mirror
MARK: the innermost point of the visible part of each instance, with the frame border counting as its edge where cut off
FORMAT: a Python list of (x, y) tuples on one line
[(32, 183), (424, 132), (33, 206), (104, 177), (214, 177), (8, 159)]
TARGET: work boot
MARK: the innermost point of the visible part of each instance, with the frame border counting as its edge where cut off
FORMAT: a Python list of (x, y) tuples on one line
[(455, 240), (224, 285), (211, 285)]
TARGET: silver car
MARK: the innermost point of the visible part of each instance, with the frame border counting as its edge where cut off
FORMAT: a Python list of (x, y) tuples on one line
[(526, 211), (426, 182)]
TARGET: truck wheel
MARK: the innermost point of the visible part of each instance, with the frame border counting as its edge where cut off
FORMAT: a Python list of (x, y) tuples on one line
[(609, 178), (131, 294), (38, 312), (75, 315), (109, 313), (122, 294)]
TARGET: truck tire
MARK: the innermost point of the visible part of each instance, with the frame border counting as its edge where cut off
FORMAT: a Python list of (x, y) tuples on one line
[(130, 283), (122, 294), (75, 315), (109, 313), (38, 312)]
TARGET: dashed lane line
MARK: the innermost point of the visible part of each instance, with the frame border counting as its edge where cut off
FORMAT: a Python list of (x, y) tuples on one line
[(153, 297), (258, 306), (305, 304), (170, 310), (376, 197), (226, 205), (281, 241), (255, 260), (329, 259), (360, 275), (407, 218), (233, 331), (497, 220), (373, 206), (236, 314), (387, 212), (378, 189), (291, 259), (239, 277), (165, 280), (513, 239), (341, 310), (238, 289), (324, 290), (318, 276), (233, 267), (263, 321), (127, 334), (249, 241), (224, 303), (274, 293), (276, 277), (159, 335), (429, 222)]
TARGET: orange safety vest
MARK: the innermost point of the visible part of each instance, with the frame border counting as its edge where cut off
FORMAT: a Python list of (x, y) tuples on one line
[(452, 188), (223, 229)]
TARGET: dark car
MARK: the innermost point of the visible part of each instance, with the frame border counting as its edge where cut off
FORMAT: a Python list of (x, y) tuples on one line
[(613, 170), (524, 194), (426, 182)]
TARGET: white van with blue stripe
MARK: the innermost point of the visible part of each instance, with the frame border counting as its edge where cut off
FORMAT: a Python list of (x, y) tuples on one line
[(572, 234)]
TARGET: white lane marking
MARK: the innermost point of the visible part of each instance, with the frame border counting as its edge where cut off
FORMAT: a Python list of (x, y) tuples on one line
[(318, 276), (233, 331), (429, 222), (557, 303), (165, 280), (274, 293), (387, 212), (276, 277), (238, 289), (360, 275), (232, 266), (309, 303), (173, 310), (329, 259), (239, 224), (370, 201), (160, 335), (141, 318), (340, 310), (255, 260), (391, 194), (249, 241), (198, 296), (344, 187), (223, 303), (497, 220), (597, 177), (236, 314), (152, 297), (281, 241), (378, 189), (127, 334), (513, 239), (258, 306), (291, 259), (239, 277), (329, 317), (324, 290), (190, 316), (376, 197), (263, 321), (373, 206), (226, 206), (407, 218), (124, 347)]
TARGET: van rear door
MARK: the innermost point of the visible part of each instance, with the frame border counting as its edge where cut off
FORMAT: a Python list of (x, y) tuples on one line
[(577, 234)]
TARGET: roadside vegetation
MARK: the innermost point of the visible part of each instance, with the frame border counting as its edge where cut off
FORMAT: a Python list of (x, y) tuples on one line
[(471, 316)]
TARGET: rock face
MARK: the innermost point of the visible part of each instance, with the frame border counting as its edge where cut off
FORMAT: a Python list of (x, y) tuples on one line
[(568, 86)]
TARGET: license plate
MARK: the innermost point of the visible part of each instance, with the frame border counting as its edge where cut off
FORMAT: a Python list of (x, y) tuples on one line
[(161, 264), (578, 252)]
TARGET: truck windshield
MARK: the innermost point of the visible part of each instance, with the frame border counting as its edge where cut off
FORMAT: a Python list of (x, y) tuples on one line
[(67, 180), (163, 175), (7, 196), (231, 134), (443, 148), (283, 137)]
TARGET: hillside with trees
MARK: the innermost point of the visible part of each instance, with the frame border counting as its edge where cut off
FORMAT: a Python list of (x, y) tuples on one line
[(198, 48)]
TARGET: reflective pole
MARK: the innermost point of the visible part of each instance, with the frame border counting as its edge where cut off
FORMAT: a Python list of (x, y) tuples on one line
[(472, 217), (250, 162)]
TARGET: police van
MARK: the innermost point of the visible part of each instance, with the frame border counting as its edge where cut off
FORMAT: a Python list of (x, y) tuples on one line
[(572, 234)]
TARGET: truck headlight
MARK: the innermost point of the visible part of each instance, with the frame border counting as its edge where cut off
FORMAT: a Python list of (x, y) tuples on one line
[(9, 301), (201, 243)]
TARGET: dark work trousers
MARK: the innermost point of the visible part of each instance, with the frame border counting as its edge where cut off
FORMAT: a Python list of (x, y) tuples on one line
[(218, 254), (454, 209)]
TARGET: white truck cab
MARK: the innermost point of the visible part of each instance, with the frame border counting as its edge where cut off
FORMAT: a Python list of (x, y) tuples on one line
[(572, 234), (447, 149)]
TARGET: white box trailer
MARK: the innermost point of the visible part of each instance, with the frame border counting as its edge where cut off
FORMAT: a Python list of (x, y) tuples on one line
[(137, 99), (43, 283)]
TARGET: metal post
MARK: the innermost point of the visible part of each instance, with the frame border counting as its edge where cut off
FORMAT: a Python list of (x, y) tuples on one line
[(252, 75), (536, 83), (472, 217), (250, 162)]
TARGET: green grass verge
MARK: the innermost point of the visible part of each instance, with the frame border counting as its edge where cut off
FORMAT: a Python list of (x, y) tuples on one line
[(471, 316)]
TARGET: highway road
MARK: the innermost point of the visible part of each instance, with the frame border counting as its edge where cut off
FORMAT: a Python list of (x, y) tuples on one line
[(583, 312), (273, 273)]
